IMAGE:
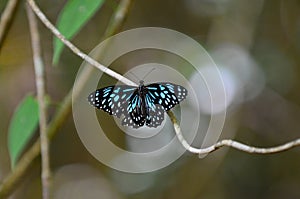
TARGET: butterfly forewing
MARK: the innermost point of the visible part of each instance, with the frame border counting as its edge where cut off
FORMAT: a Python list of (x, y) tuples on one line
[(179, 91), (166, 94), (112, 99)]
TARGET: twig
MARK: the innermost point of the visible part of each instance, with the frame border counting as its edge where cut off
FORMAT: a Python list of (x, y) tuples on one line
[(229, 143), (118, 17), (40, 85), (60, 116), (6, 18), (72, 47)]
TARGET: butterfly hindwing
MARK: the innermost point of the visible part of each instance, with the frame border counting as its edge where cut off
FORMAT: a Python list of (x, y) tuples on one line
[(136, 109), (128, 121), (154, 117), (133, 117)]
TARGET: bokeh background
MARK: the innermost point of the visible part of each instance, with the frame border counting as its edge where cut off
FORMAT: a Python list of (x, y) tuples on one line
[(256, 45)]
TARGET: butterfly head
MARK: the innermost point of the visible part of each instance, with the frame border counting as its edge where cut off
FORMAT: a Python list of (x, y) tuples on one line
[(141, 82)]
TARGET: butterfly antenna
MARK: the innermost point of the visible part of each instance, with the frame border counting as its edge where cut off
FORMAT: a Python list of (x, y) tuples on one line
[(148, 73), (136, 77), (144, 75)]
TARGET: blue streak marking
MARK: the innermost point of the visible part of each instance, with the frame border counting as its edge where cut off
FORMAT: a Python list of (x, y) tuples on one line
[(128, 97), (134, 102), (151, 95), (129, 89), (117, 90), (162, 87), (116, 98), (152, 88), (139, 102)]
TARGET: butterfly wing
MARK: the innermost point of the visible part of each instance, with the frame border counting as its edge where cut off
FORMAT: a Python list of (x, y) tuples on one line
[(122, 99), (128, 121), (179, 91), (112, 99), (166, 94), (159, 97), (156, 112), (154, 117), (135, 116)]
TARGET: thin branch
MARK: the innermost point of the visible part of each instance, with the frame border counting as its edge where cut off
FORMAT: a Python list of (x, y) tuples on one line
[(72, 47), (41, 95), (120, 16), (6, 18), (229, 143), (8, 184)]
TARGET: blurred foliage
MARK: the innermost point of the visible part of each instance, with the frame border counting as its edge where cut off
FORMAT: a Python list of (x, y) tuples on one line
[(71, 19), (22, 127)]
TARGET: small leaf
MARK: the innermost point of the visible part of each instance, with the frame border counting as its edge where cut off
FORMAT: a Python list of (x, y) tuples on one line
[(22, 127), (75, 14)]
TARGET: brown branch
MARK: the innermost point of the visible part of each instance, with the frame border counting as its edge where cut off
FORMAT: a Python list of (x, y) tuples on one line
[(229, 143), (41, 94), (6, 18), (76, 50)]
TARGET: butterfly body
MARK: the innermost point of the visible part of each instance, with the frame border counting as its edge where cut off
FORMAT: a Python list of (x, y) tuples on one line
[(140, 105)]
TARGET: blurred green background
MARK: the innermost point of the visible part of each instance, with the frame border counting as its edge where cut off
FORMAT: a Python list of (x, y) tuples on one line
[(256, 42)]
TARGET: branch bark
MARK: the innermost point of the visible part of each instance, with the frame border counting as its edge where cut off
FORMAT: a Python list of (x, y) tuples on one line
[(41, 95), (6, 18), (76, 50), (229, 143)]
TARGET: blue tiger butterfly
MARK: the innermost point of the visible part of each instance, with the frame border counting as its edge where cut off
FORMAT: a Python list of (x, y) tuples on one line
[(140, 105)]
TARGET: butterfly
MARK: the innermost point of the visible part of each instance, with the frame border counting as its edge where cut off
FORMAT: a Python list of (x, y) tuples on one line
[(140, 105)]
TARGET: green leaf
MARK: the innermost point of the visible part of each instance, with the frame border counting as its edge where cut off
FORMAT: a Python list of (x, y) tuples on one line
[(74, 15), (22, 127)]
